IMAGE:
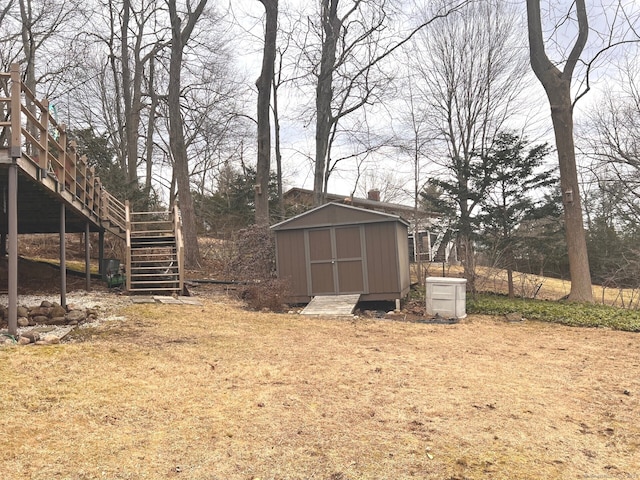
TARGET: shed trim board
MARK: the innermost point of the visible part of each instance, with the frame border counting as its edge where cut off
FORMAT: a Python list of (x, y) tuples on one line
[(294, 223)]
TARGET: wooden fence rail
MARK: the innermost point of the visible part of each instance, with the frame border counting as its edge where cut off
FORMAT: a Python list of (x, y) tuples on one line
[(29, 131)]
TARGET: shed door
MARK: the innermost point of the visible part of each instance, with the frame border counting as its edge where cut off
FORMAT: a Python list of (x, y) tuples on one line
[(336, 260)]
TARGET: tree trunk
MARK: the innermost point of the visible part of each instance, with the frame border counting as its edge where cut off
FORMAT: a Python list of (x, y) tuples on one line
[(264, 82), (150, 127), (131, 137), (176, 133), (562, 117), (557, 84), (324, 95), (278, 152)]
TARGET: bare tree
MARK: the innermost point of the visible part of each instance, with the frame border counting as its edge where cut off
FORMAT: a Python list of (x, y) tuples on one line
[(472, 70), (612, 140), (264, 84), (354, 44), (557, 84), (179, 37)]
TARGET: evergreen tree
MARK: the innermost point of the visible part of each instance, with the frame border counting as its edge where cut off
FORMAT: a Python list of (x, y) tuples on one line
[(513, 195), (102, 157)]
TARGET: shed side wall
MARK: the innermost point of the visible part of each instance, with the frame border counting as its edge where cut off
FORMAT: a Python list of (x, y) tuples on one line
[(403, 258), (382, 264), (292, 263)]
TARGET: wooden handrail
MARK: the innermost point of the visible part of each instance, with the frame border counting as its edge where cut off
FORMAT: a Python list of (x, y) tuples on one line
[(32, 133)]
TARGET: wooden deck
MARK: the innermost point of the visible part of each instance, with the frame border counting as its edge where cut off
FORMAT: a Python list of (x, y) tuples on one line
[(50, 171)]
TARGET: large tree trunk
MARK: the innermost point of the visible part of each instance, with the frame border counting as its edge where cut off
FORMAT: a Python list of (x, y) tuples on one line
[(177, 143), (150, 127), (562, 117), (264, 82), (324, 95), (130, 125), (557, 84), (278, 152)]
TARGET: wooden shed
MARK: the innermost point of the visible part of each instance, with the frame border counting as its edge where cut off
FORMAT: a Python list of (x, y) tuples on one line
[(339, 249)]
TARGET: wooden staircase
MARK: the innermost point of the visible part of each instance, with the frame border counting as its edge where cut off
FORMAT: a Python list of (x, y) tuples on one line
[(155, 253)]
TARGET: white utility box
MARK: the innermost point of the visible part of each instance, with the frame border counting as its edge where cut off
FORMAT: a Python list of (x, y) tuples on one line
[(446, 297)]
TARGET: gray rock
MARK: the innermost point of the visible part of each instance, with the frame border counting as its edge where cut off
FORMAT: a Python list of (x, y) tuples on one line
[(76, 316), (513, 317), (46, 304), (51, 339), (31, 335), (39, 312), (24, 341), (57, 311), (23, 322), (40, 320), (57, 321), (23, 311)]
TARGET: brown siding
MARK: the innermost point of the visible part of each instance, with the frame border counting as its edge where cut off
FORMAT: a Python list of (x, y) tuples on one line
[(292, 263), (403, 258), (382, 265)]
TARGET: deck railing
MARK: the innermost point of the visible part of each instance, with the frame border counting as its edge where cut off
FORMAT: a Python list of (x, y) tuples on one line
[(28, 130)]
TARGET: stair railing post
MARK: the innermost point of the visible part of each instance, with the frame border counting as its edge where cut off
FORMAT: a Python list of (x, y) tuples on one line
[(177, 229), (15, 148), (127, 216), (15, 151)]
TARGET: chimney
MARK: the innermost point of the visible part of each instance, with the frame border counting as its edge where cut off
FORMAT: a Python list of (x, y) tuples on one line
[(374, 195)]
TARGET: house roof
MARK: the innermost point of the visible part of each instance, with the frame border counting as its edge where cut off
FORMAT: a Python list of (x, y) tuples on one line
[(403, 210), (335, 214)]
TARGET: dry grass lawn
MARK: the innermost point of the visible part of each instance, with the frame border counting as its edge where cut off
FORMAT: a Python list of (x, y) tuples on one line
[(216, 392)]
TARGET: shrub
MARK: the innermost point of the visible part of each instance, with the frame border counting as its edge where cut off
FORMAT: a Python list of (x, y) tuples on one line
[(254, 256), (254, 262), (267, 295)]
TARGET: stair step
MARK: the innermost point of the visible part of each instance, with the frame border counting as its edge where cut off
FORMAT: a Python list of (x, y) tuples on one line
[(153, 253), (152, 258), (159, 238), (152, 271), (167, 277), (153, 240), (150, 233), (161, 272), (147, 290)]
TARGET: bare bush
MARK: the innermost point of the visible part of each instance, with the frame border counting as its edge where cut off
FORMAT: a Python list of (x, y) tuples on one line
[(268, 295), (253, 260)]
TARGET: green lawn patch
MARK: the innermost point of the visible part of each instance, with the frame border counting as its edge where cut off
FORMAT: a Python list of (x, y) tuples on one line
[(565, 313)]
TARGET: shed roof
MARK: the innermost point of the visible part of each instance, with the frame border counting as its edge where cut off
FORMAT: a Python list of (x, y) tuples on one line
[(335, 214)]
